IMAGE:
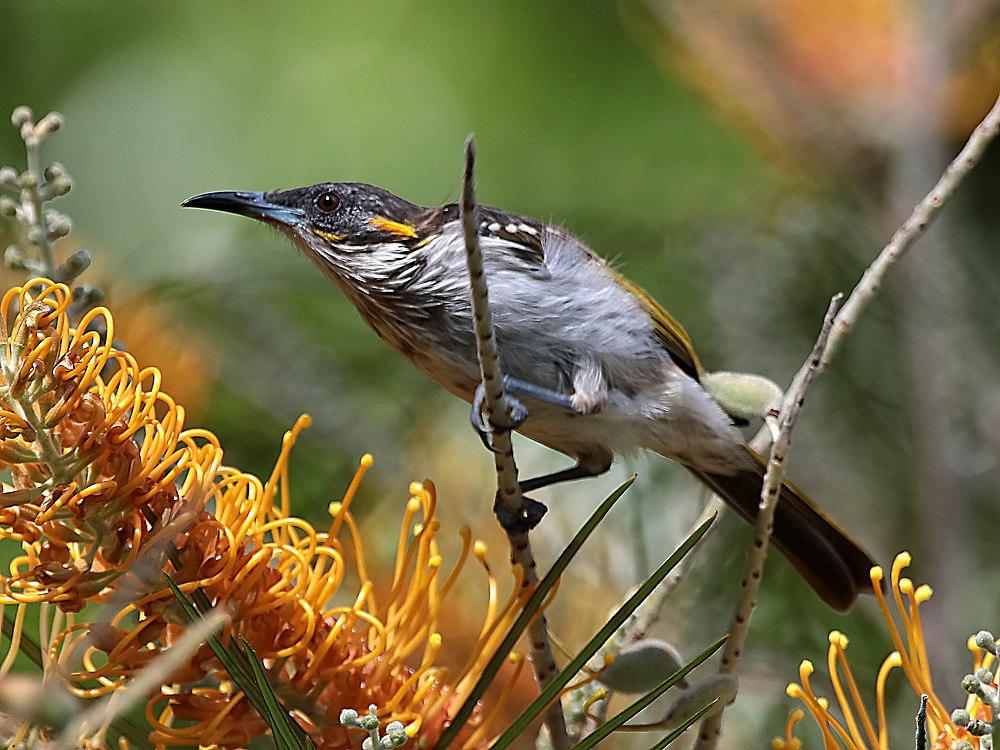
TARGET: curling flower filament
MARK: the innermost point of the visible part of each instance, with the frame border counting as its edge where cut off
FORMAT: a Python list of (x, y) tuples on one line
[(845, 721), (110, 488)]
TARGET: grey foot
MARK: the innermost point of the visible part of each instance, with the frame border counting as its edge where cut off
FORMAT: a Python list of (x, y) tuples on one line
[(516, 414), (523, 521)]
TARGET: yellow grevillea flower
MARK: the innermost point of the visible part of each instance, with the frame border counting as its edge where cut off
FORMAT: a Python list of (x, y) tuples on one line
[(850, 725), (107, 478)]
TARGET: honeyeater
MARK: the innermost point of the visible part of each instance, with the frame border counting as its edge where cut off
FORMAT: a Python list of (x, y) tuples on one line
[(599, 367)]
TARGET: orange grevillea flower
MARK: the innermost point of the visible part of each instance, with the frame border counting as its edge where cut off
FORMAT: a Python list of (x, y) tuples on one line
[(110, 488), (850, 725)]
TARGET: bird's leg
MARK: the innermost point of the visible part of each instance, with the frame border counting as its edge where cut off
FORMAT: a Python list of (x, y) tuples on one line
[(516, 411), (524, 519), (580, 471)]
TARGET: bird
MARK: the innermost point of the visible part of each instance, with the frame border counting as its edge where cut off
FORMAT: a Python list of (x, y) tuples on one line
[(596, 367)]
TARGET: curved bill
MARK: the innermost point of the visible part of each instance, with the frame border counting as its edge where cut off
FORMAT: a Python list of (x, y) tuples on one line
[(252, 205)]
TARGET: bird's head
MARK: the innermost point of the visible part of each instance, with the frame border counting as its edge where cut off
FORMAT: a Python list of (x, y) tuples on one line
[(328, 220)]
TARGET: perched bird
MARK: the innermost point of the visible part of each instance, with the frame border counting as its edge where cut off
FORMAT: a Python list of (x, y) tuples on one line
[(600, 368)]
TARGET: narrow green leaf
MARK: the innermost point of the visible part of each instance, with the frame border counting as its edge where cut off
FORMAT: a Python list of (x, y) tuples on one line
[(553, 689), (531, 607), (633, 710), (683, 727), (277, 719)]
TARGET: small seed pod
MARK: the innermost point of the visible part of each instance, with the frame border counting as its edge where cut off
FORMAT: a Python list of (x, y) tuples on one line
[(21, 116), (641, 666), (743, 395), (721, 688)]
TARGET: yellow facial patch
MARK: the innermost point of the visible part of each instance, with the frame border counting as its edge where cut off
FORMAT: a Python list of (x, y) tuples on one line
[(329, 236), (388, 225)]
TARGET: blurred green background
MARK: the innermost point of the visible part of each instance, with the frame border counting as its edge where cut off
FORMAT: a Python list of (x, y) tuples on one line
[(743, 162)]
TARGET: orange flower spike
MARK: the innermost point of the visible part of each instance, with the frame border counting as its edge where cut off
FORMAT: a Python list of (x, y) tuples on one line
[(344, 505), (837, 654)]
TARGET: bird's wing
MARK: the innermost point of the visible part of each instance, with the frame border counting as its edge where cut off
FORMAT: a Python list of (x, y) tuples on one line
[(668, 330)]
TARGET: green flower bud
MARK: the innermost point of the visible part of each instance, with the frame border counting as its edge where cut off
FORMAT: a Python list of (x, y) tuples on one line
[(369, 722), (741, 394), (396, 734), (21, 116), (961, 717), (984, 639), (721, 688), (641, 666), (349, 717), (970, 684), (978, 727), (984, 675)]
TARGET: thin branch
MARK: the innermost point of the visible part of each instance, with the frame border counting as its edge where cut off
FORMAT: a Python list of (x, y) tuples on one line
[(835, 327), (919, 219), (753, 567), (508, 492)]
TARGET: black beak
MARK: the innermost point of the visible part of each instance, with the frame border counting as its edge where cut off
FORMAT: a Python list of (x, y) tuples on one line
[(252, 205)]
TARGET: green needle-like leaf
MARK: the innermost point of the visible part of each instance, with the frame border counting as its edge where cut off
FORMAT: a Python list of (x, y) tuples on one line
[(552, 690), (531, 607), (248, 673), (683, 727), (633, 710)]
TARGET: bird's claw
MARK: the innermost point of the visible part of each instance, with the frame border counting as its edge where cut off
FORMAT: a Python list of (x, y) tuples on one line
[(517, 412), (524, 519)]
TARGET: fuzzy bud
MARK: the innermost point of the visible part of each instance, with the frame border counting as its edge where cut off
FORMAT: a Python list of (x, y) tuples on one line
[(59, 225), (8, 207), (970, 684), (8, 178), (721, 688), (984, 675), (58, 187), (961, 717), (49, 124), (349, 717), (21, 116), (984, 640), (978, 727), (36, 236), (27, 180), (641, 666), (369, 722), (13, 258), (395, 734)]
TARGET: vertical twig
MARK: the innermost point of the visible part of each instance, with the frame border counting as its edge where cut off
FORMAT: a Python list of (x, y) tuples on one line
[(753, 567), (834, 329), (508, 492)]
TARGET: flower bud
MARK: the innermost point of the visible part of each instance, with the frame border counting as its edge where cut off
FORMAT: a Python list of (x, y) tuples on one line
[(979, 728), (984, 675), (961, 717), (369, 722), (59, 225), (13, 258), (27, 180), (8, 178), (48, 124), (396, 734), (54, 170), (721, 688), (21, 116), (970, 684), (349, 717), (743, 395), (641, 666), (8, 207), (984, 640)]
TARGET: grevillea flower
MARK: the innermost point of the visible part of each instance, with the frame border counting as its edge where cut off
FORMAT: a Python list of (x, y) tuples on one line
[(851, 725), (107, 479)]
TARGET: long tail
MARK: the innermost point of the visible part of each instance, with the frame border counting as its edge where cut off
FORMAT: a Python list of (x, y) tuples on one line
[(827, 558)]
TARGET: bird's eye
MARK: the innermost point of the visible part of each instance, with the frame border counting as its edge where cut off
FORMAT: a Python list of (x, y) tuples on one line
[(328, 202)]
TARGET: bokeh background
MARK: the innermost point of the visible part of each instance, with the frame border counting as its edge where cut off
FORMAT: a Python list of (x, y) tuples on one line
[(742, 160)]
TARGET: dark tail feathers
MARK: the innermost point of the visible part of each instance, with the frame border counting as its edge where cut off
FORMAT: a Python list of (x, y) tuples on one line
[(831, 562)]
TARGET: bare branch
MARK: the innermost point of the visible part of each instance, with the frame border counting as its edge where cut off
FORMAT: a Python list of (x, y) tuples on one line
[(508, 493), (835, 327)]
